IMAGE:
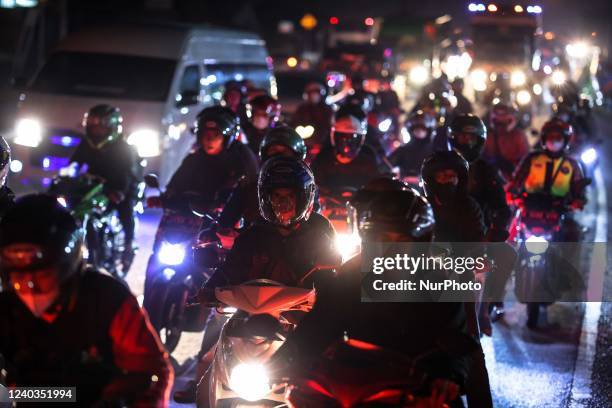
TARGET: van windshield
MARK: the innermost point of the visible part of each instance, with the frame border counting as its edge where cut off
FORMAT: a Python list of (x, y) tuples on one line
[(106, 75)]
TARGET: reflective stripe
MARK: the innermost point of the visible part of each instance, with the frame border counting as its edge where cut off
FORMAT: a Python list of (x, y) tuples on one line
[(537, 175)]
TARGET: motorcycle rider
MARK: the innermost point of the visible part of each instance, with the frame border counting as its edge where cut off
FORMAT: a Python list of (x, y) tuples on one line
[(263, 112), (421, 128), (234, 97), (6, 194), (243, 202), (66, 324), (468, 136), (459, 219), (506, 143), (551, 170), (215, 167), (348, 162), (108, 155), (316, 113), (463, 104), (395, 215), (439, 106)]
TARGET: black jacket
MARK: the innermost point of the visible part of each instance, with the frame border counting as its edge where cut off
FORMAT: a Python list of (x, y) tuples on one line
[(261, 252), (212, 177), (331, 175), (409, 157), (459, 221), (486, 186), (406, 327)]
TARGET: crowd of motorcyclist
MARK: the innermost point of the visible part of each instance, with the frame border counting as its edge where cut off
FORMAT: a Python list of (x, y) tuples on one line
[(446, 175)]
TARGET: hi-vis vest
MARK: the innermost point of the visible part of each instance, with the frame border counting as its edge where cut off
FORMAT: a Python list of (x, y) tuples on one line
[(543, 169)]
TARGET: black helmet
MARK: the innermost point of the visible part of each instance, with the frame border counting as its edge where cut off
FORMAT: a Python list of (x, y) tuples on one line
[(285, 136), (471, 125), (5, 160), (348, 132), (403, 211), (221, 118), (264, 103), (38, 233), (103, 125), (421, 125), (556, 126), (285, 172), (375, 186), (444, 160)]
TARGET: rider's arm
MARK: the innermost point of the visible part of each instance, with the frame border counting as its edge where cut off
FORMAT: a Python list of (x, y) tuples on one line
[(520, 175), (137, 350)]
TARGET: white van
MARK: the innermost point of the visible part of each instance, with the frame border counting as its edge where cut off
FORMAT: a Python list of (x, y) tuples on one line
[(160, 77)]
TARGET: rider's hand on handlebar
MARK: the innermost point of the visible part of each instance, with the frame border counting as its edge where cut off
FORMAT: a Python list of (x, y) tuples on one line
[(154, 202)]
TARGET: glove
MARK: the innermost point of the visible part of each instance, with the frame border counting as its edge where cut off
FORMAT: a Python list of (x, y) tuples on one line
[(154, 202)]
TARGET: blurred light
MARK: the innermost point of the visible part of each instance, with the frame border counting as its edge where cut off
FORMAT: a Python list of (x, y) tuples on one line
[(534, 9), (347, 245), (28, 133), (388, 52), (62, 201), (518, 9), (405, 135), (492, 8), (369, 21), (333, 20), (46, 163), (549, 35), (285, 27), (518, 78), (480, 7), (594, 34), (547, 69), (523, 97), (536, 245), (558, 77), (292, 62), (479, 79), (385, 125), (168, 273), (171, 254), (146, 142), (16, 166), (589, 156), (537, 89), (473, 7), (419, 75), (308, 21), (250, 381), (305, 132), (577, 50)]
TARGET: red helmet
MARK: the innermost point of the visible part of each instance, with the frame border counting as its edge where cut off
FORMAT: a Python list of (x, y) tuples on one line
[(503, 116), (556, 126)]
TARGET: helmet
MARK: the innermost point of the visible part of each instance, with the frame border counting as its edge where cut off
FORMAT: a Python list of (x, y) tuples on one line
[(5, 160), (503, 116), (234, 86), (264, 103), (375, 186), (103, 125), (348, 132), (285, 136), (402, 211), (471, 126), (437, 105), (220, 117), (444, 160), (420, 125), (38, 233), (556, 126), (285, 172)]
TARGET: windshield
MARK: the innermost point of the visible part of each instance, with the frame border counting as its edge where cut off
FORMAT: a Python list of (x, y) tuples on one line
[(217, 75), (106, 75), (518, 44)]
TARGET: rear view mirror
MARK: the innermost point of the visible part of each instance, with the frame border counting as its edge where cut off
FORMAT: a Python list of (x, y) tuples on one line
[(151, 180)]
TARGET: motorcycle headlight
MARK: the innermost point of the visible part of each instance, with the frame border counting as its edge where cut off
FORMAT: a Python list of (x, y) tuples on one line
[(419, 75), (558, 78), (518, 78), (385, 125), (28, 132), (347, 245), (250, 381), (536, 245), (589, 156), (523, 97), (171, 254), (146, 142), (479, 80), (305, 132)]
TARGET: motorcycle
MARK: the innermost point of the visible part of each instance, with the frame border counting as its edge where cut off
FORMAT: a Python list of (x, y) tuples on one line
[(83, 194), (344, 219), (538, 279), (183, 259), (355, 373), (263, 312)]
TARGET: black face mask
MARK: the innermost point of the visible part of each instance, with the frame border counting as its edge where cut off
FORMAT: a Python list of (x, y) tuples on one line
[(347, 145), (469, 153), (445, 193)]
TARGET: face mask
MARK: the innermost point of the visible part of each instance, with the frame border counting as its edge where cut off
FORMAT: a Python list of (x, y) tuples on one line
[(554, 146), (261, 122), (38, 302), (445, 192), (419, 133)]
